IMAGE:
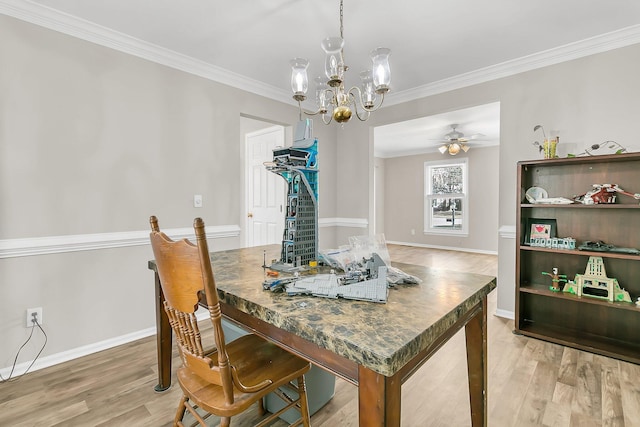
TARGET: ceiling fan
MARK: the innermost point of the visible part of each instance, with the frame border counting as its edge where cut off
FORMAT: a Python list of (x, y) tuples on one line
[(456, 141)]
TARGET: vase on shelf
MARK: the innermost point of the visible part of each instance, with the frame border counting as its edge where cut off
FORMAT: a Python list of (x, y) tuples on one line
[(549, 148)]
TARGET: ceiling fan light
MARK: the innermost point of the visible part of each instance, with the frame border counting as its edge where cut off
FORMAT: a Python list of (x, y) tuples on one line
[(454, 148), (442, 149), (465, 148)]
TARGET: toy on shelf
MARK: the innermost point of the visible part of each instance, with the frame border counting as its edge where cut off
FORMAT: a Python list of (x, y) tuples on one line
[(595, 283), (601, 246), (555, 279), (567, 243), (615, 148), (603, 194)]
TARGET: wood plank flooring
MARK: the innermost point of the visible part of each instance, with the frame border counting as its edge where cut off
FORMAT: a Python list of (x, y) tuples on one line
[(531, 382)]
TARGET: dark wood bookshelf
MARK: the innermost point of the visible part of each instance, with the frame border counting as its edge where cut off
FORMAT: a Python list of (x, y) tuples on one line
[(587, 323)]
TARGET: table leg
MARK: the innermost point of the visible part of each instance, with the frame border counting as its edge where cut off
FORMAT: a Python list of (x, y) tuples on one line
[(476, 334), (163, 341), (378, 399)]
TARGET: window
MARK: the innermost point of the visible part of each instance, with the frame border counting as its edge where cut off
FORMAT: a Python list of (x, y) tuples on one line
[(446, 207)]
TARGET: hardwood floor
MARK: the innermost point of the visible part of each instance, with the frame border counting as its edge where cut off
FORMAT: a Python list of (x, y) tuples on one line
[(531, 382)]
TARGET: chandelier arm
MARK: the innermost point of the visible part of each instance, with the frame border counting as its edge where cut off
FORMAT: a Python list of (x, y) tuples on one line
[(314, 113), (364, 117), (357, 102)]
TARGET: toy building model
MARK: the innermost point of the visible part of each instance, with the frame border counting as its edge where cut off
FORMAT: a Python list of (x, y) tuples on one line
[(595, 283), (298, 166)]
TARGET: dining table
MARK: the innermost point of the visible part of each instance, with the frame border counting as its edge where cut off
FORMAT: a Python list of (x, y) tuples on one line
[(374, 346)]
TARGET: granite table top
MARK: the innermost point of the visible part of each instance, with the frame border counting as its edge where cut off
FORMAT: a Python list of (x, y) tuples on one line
[(381, 337)]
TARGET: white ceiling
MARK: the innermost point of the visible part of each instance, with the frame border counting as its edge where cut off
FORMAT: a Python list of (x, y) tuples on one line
[(436, 45), (425, 135)]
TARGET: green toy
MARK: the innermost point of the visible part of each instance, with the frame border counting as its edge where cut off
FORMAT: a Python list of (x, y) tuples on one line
[(556, 279)]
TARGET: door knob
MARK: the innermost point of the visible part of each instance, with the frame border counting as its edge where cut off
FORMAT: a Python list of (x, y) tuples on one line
[(250, 215)]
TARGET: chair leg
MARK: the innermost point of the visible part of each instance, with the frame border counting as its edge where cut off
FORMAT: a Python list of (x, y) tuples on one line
[(225, 421), (304, 406), (261, 410), (180, 412)]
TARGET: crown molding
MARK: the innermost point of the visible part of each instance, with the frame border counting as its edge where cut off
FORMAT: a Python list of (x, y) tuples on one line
[(67, 24), (598, 44), (52, 19), (12, 248)]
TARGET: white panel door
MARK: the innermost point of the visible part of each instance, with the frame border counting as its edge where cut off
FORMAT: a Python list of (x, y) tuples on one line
[(265, 190)]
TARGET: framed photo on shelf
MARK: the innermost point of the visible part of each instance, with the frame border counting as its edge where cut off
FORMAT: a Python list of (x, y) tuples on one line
[(539, 228)]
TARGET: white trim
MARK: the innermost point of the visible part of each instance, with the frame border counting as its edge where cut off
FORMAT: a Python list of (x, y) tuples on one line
[(85, 30), (12, 248), (67, 24), (507, 231), (505, 313), (343, 222), (591, 46), (446, 248), (77, 352)]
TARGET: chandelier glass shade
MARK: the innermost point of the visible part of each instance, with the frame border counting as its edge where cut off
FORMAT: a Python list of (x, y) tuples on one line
[(333, 101)]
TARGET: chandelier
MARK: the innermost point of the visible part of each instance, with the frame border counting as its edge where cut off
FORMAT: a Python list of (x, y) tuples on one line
[(331, 93)]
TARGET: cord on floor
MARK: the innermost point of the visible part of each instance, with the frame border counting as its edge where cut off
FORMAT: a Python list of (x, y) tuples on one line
[(15, 361)]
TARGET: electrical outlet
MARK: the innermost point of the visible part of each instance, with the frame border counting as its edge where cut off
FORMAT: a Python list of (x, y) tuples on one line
[(30, 312), (197, 201)]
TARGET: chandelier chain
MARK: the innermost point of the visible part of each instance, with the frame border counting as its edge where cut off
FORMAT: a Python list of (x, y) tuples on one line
[(341, 20), (342, 27)]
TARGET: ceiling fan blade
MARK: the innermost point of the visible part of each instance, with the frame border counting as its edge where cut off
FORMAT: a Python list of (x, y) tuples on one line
[(476, 136)]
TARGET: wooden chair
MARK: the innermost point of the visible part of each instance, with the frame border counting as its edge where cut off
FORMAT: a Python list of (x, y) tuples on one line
[(228, 379)]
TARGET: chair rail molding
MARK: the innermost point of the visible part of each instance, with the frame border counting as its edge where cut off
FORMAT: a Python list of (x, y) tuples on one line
[(343, 222), (12, 248), (507, 231)]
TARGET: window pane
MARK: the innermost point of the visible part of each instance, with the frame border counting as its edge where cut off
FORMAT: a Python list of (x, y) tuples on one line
[(447, 213), (446, 179)]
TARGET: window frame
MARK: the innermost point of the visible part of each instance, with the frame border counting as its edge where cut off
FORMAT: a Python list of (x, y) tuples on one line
[(429, 228)]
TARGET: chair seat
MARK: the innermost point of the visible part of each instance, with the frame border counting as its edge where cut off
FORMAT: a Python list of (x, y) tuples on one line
[(256, 360)]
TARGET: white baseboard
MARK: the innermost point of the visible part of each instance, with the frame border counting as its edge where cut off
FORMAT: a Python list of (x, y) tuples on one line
[(65, 356), (447, 248), (505, 313)]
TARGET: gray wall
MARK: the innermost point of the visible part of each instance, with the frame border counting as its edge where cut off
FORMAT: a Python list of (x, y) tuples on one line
[(404, 201), (587, 100), (94, 141)]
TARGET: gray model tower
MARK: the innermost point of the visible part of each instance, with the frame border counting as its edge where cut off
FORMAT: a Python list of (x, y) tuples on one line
[(298, 166)]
